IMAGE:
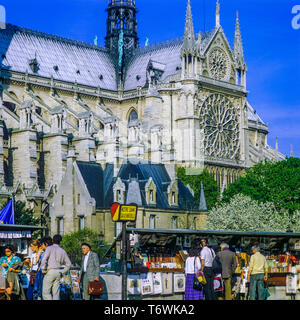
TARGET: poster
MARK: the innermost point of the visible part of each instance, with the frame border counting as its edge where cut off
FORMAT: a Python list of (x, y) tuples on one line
[(75, 286), (167, 280), (218, 284), (179, 241), (291, 283), (187, 241), (133, 285), (179, 282), (157, 283), (147, 284)]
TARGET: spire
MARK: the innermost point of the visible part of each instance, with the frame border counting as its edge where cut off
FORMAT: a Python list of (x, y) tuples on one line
[(276, 146), (238, 45), (189, 36), (292, 152), (202, 204), (218, 15), (199, 42)]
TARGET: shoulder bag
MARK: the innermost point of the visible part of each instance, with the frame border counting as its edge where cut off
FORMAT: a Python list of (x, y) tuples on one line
[(197, 285)]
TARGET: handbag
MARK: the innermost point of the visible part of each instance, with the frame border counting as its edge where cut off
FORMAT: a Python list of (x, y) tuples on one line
[(197, 285), (32, 276), (95, 288)]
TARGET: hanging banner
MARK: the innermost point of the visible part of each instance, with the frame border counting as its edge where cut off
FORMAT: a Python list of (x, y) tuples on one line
[(15, 234), (123, 213)]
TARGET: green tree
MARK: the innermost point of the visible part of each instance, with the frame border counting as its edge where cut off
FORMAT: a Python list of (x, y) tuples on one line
[(72, 243), (25, 216), (245, 214), (275, 182), (210, 186)]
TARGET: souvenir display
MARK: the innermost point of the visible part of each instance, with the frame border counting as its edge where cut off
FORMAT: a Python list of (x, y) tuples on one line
[(179, 282), (133, 284), (167, 283), (187, 241), (75, 286), (291, 283), (157, 283), (218, 283), (147, 284)]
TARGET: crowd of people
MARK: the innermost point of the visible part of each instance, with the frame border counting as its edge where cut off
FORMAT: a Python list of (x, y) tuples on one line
[(38, 276), (204, 264)]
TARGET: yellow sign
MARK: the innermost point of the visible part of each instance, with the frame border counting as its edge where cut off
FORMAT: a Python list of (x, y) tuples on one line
[(122, 213), (128, 213)]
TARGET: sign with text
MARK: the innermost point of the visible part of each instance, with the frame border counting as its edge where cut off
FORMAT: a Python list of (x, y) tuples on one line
[(122, 212)]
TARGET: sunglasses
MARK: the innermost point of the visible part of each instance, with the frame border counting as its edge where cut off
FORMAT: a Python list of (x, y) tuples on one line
[(7, 251)]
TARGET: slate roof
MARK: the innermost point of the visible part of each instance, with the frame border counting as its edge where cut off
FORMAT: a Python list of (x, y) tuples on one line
[(253, 116), (92, 175), (100, 184), (20, 45), (165, 53)]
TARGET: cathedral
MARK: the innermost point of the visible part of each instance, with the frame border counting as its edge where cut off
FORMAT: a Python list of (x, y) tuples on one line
[(84, 125)]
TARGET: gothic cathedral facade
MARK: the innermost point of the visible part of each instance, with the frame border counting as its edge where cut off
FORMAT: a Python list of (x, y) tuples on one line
[(181, 102)]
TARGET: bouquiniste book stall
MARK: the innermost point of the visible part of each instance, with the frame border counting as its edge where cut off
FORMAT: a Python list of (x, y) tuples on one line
[(156, 257)]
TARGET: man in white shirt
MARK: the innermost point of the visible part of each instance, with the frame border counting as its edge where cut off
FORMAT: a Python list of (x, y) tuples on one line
[(207, 256), (90, 268)]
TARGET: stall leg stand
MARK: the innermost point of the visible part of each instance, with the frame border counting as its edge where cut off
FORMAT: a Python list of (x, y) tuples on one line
[(124, 262), (293, 296)]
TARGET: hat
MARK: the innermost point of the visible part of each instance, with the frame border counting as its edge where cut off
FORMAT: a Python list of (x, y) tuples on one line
[(27, 257)]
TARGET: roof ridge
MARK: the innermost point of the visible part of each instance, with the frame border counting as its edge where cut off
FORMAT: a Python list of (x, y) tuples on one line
[(15, 28), (170, 42)]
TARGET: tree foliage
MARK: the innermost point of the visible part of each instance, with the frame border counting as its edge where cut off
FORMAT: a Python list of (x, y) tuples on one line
[(72, 244), (275, 182), (210, 186), (244, 214)]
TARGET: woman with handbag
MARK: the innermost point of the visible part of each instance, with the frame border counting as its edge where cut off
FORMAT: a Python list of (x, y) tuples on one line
[(193, 289), (34, 265)]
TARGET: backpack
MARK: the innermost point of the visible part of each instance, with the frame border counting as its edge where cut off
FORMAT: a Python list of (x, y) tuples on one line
[(216, 266)]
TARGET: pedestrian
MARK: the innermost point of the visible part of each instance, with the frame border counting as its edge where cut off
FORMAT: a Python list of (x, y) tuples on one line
[(207, 256), (228, 262), (38, 283), (90, 269), (258, 273), (192, 267), (8, 260), (34, 264), (15, 289), (25, 274), (55, 264)]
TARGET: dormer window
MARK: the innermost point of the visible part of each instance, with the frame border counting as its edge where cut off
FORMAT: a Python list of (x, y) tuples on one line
[(119, 196), (150, 189), (119, 191), (151, 196), (173, 193), (173, 198)]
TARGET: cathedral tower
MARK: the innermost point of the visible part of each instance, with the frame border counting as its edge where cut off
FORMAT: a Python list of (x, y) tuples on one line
[(121, 28)]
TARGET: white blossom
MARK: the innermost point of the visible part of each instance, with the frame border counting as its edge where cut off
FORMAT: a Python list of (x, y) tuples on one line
[(244, 214)]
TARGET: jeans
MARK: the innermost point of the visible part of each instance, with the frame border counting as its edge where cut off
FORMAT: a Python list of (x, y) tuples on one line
[(257, 285), (208, 289)]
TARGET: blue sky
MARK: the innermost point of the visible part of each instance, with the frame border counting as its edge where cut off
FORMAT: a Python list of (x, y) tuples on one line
[(271, 45)]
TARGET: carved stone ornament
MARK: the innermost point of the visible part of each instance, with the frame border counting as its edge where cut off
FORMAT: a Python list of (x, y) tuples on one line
[(218, 64), (220, 125)]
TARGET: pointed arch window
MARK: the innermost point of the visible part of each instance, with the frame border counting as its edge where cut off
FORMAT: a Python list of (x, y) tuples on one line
[(132, 117)]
